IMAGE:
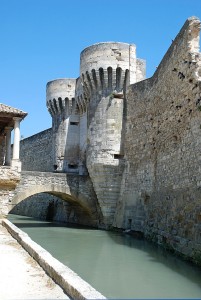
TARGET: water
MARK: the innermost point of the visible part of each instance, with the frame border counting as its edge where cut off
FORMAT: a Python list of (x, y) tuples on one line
[(116, 265)]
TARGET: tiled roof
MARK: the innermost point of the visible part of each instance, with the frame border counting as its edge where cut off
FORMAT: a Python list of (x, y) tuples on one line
[(11, 110)]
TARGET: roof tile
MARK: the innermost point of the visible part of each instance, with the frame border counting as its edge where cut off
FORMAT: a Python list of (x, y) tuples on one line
[(11, 110)]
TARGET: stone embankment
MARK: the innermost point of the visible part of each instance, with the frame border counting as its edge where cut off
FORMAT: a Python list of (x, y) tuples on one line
[(70, 282), (20, 275)]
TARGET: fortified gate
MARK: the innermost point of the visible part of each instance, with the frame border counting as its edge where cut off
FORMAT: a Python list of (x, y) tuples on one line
[(122, 151)]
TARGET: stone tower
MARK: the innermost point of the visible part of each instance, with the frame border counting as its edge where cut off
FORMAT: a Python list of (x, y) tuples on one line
[(106, 69), (88, 118), (60, 100)]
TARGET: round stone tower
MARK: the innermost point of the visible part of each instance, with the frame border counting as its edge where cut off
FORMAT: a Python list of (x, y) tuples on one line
[(60, 101), (106, 69)]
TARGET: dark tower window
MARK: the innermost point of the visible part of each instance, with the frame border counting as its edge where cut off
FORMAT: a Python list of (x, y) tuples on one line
[(74, 123), (72, 166), (118, 156)]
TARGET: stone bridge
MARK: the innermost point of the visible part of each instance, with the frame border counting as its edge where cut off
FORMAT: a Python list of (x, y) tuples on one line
[(73, 188)]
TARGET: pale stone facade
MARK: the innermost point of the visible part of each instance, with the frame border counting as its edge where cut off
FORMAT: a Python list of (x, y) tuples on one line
[(160, 190), (138, 140), (36, 152), (80, 203), (10, 165), (88, 116)]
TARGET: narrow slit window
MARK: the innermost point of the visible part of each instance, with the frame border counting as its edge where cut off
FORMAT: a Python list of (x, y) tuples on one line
[(72, 166), (118, 156), (74, 123)]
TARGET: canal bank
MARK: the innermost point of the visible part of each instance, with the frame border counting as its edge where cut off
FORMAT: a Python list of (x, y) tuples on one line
[(119, 266), (69, 281), (20, 276)]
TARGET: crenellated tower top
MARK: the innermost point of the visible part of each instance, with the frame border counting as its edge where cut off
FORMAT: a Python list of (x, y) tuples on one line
[(60, 96), (108, 54), (108, 67)]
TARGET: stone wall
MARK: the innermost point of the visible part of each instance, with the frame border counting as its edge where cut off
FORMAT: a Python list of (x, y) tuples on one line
[(161, 186), (142, 151), (57, 196), (44, 206), (60, 100), (106, 69), (104, 154), (47, 207), (9, 178), (36, 152)]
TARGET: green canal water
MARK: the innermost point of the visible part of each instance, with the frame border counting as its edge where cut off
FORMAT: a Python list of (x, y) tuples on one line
[(118, 266)]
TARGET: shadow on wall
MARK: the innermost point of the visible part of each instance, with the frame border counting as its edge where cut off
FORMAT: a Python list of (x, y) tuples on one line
[(47, 207)]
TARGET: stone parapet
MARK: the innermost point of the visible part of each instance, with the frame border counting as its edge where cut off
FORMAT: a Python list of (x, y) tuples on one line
[(9, 177), (160, 191), (109, 54), (75, 190), (60, 94), (36, 152), (70, 282), (108, 67)]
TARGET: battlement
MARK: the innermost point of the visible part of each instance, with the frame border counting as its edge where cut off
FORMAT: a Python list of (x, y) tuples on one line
[(60, 96), (109, 54), (80, 97), (105, 81), (139, 142), (106, 68)]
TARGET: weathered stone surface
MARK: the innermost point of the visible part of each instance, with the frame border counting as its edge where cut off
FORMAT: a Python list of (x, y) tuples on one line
[(36, 152), (160, 191), (139, 143), (80, 204), (9, 178), (71, 283), (106, 70), (21, 272)]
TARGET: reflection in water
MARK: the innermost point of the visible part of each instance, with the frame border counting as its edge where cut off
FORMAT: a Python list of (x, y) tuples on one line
[(117, 265)]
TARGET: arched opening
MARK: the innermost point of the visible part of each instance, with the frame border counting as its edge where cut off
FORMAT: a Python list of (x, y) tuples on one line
[(60, 104), (55, 105), (109, 70), (94, 78), (89, 81), (118, 79), (126, 80), (54, 206), (101, 75), (52, 107)]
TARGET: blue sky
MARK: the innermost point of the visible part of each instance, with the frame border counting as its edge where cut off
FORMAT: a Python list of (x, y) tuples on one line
[(41, 40)]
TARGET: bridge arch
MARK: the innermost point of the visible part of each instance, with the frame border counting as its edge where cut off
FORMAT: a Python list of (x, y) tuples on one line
[(55, 190), (75, 190)]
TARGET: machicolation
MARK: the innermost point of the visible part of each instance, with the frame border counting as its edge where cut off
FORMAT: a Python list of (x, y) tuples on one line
[(136, 140)]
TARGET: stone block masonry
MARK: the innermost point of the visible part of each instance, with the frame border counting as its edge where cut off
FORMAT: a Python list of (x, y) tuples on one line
[(106, 69), (74, 286), (36, 152), (9, 179), (137, 141), (21, 276), (80, 204), (160, 192)]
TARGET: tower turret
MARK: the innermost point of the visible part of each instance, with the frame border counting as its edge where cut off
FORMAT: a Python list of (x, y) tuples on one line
[(106, 69), (60, 100)]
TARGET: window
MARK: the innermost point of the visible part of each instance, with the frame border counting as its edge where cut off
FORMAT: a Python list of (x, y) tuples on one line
[(74, 123), (118, 156), (72, 166)]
